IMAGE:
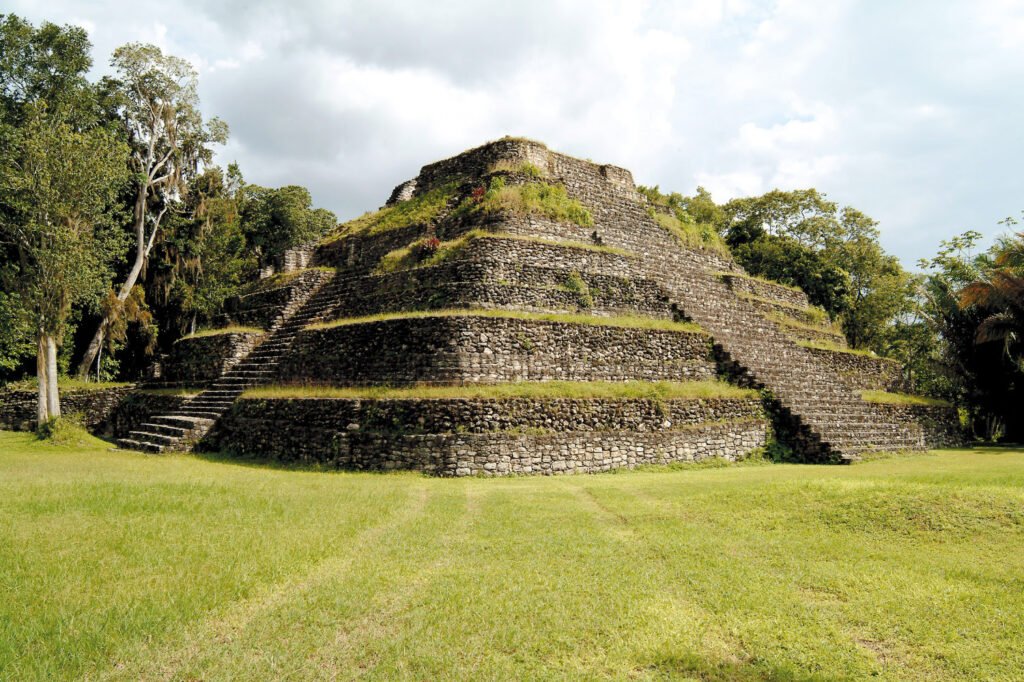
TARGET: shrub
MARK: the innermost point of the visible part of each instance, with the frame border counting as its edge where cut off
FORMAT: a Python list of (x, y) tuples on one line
[(65, 430), (576, 284)]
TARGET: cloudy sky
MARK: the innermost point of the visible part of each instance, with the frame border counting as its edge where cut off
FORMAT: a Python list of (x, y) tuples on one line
[(910, 111)]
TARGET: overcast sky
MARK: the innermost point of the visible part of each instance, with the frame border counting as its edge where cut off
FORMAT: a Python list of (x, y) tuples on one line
[(910, 111)]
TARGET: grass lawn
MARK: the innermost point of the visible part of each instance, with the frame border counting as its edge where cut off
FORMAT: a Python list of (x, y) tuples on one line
[(118, 565)]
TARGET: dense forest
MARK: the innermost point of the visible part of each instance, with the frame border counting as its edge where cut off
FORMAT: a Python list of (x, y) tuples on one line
[(119, 235)]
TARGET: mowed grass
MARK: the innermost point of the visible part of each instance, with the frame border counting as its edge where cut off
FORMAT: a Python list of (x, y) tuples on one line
[(116, 565)]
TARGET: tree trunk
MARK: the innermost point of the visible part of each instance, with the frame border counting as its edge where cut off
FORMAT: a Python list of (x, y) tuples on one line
[(141, 253), (43, 405), (52, 395)]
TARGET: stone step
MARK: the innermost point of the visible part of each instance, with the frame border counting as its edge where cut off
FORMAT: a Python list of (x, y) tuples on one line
[(141, 446), (187, 422), (201, 413), (152, 437), (163, 429)]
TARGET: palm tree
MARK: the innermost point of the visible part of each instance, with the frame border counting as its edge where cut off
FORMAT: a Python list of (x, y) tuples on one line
[(1000, 292)]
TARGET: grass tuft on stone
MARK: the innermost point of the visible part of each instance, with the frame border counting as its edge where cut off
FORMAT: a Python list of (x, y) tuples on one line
[(887, 398), (692, 235), (564, 318), (836, 348), (420, 210), (233, 329), (66, 384), (534, 390)]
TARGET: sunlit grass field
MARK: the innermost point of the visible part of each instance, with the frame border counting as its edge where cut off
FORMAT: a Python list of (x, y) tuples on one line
[(118, 565)]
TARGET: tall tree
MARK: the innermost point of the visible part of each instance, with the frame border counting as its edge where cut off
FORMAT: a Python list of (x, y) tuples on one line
[(58, 185), (157, 103)]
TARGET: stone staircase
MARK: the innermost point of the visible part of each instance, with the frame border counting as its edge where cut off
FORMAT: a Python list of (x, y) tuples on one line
[(824, 416), (182, 429)]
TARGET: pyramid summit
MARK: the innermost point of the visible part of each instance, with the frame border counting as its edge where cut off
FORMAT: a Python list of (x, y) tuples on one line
[(516, 310)]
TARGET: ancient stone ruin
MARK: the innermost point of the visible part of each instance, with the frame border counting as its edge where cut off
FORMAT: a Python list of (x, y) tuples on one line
[(517, 310)]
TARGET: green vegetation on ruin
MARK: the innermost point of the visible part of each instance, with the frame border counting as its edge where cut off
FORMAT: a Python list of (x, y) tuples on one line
[(179, 392), (424, 210), (67, 384), (836, 348), (692, 235), (517, 168), (122, 566), (233, 329), (826, 326), (422, 253), (532, 198), (888, 398), (538, 390), (817, 314), (762, 280), (627, 321)]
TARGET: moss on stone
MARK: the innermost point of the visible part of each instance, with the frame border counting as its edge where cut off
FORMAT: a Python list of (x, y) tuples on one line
[(540, 390), (234, 329), (595, 320), (887, 398)]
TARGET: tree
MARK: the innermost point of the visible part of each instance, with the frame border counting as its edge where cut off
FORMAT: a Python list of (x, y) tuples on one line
[(156, 102), (275, 220), (60, 171), (979, 376), (999, 291), (834, 255), (880, 289), (205, 258), (58, 185)]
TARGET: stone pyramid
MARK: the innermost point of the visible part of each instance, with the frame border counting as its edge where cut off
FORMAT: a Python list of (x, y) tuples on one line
[(517, 310)]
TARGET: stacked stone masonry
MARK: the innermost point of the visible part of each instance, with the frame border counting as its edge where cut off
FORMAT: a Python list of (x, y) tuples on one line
[(95, 407), (469, 437), (467, 349), (199, 360)]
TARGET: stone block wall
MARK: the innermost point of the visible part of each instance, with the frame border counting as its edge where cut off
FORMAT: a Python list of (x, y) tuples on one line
[(862, 371), (196, 361), (360, 253), (474, 349), (941, 424), (491, 437), (97, 407), (139, 407), (261, 305), (501, 272), (764, 289)]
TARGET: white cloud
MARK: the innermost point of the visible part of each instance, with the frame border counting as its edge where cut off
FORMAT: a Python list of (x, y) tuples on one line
[(908, 113)]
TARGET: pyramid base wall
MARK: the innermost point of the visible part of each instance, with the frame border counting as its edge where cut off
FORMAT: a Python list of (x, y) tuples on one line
[(551, 437)]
